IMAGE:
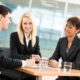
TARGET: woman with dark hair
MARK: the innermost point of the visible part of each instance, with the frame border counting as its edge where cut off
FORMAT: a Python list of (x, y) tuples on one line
[(68, 47)]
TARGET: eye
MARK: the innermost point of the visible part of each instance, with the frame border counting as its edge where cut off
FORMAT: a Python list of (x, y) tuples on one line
[(68, 26), (25, 23), (30, 23), (10, 19)]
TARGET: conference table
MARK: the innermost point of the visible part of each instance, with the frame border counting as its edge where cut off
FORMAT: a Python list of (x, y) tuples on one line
[(44, 74)]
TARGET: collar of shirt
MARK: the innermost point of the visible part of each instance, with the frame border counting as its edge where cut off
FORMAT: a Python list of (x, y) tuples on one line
[(27, 41)]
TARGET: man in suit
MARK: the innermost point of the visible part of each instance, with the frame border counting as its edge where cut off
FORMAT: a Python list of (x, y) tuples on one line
[(4, 61)]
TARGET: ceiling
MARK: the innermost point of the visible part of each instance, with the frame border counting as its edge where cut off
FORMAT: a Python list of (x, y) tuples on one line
[(48, 4), (16, 2), (35, 3)]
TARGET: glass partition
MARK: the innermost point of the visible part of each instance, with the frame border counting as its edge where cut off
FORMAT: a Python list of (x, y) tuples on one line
[(49, 17)]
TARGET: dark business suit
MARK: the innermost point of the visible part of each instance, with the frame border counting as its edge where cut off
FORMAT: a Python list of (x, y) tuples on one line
[(22, 52), (7, 63), (73, 54)]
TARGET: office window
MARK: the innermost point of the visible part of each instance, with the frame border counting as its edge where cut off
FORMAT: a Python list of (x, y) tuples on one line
[(50, 17)]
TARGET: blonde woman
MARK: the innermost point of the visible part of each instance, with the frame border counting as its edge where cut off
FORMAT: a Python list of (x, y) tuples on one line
[(24, 43)]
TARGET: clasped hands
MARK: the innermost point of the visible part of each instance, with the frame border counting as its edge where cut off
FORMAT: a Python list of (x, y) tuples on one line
[(31, 62)]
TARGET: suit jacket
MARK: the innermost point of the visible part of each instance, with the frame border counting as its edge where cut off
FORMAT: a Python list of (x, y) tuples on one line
[(7, 63), (20, 51), (10, 63), (72, 55)]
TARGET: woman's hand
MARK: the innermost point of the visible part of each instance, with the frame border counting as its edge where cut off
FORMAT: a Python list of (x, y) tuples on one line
[(35, 57), (28, 62), (53, 63)]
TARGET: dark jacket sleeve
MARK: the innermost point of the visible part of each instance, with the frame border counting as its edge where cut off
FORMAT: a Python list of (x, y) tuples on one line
[(9, 62), (56, 54), (37, 49)]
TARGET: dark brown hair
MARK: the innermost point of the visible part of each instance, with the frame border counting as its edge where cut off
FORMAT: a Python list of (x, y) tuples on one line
[(4, 10), (75, 21)]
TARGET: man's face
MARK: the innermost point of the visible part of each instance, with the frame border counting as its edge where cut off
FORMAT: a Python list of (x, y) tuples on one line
[(5, 21)]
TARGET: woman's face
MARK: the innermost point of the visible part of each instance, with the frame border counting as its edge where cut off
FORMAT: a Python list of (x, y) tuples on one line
[(70, 30), (27, 25)]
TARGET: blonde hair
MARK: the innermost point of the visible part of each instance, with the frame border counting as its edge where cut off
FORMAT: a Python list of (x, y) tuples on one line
[(21, 32)]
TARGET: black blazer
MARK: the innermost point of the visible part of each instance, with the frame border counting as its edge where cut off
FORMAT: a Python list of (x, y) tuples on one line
[(73, 54), (7, 63), (10, 63), (20, 51)]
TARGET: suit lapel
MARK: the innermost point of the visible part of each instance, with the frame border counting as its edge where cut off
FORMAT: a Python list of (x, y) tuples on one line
[(73, 46), (29, 44), (71, 50), (63, 51)]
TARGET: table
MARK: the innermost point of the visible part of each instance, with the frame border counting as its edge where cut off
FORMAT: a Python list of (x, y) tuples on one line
[(49, 72)]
